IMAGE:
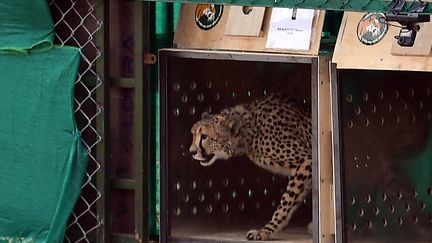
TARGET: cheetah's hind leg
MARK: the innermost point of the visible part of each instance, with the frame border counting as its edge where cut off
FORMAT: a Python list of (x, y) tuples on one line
[(297, 189)]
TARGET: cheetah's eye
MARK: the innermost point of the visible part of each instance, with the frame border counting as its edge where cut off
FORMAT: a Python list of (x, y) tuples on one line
[(203, 136)]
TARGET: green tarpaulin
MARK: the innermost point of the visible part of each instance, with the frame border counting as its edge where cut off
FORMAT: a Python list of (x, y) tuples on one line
[(42, 160), (25, 25)]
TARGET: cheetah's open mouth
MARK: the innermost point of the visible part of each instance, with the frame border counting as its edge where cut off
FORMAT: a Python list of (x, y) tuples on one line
[(209, 159)]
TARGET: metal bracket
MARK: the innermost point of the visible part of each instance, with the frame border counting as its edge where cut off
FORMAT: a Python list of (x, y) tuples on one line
[(408, 21)]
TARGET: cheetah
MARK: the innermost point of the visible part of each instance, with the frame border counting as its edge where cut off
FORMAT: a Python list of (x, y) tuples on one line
[(275, 133)]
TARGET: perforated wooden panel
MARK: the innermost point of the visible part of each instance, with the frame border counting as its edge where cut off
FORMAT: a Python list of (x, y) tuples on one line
[(230, 196), (385, 155)]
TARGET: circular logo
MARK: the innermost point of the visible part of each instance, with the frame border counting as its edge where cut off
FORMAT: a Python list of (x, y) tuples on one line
[(372, 28), (208, 15)]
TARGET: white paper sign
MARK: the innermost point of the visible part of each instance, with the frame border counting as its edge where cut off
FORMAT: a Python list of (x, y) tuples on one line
[(288, 33)]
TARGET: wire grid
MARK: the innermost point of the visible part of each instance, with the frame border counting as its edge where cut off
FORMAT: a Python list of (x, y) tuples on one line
[(76, 24)]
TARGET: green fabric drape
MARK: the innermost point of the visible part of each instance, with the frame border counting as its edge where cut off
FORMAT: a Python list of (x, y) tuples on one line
[(42, 160), (25, 26)]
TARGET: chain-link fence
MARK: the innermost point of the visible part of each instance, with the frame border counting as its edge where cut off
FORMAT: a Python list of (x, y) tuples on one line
[(76, 24)]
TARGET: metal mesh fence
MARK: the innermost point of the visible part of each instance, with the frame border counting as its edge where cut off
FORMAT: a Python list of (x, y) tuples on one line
[(76, 24)]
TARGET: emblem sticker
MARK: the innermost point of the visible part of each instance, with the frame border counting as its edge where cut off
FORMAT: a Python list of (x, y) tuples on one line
[(208, 15), (372, 28)]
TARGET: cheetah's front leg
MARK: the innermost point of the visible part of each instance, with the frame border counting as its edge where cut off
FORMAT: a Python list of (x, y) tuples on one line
[(297, 189)]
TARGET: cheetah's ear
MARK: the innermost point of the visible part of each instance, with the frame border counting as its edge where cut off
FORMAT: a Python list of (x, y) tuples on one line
[(205, 115), (234, 124)]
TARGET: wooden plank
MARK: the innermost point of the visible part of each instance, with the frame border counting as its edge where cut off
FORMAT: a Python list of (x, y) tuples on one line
[(350, 53), (325, 165), (244, 21), (422, 45), (190, 36)]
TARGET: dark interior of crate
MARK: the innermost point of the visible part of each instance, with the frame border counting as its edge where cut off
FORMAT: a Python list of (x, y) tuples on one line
[(222, 202), (386, 155)]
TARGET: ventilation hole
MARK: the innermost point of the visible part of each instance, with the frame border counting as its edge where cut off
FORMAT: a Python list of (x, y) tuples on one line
[(249, 94), (396, 93), (176, 112), (265, 192), (423, 205), (414, 192), (384, 197), (184, 98), (265, 92), (209, 208), (376, 211), (360, 212), (194, 185), (353, 226), (399, 195), (225, 208), (225, 182), (380, 95), (349, 124), (257, 205), (274, 204), (176, 86), (415, 219), (208, 109), (201, 97), (400, 221), (233, 95), (382, 121), (389, 107), (186, 198), (258, 180), (366, 122), (412, 117), (430, 191), (405, 106), (194, 210), (373, 109), (411, 92), (369, 224), (429, 116), (241, 181), (201, 197), (273, 178), (178, 186), (353, 201), (241, 206), (384, 222), (420, 105), (216, 96), (209, 84), (391, 208), (368, 198), (365, 97), (234, 194), (349, 98), (226, 83), (428, 91), (177, 211), (397, 119), (209, 183), (407, 207), (357, 110), (192, 110), (193, 85), (250, 193), (217, 195)]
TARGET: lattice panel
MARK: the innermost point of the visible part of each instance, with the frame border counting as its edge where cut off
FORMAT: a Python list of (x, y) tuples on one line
[(76, 24)]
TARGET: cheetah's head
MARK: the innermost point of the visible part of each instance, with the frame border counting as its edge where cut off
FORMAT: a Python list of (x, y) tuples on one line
[(214, 137)]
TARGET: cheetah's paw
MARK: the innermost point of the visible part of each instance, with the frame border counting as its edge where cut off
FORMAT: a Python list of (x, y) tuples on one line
[(258, 235)]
